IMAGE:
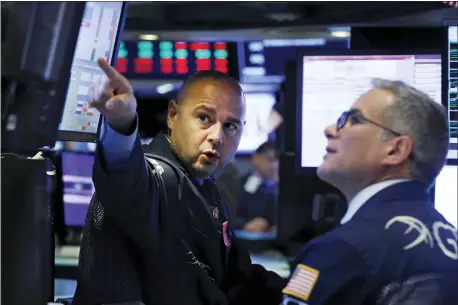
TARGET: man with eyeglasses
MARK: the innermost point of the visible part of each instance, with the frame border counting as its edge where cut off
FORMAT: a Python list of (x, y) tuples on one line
[(392, 247)]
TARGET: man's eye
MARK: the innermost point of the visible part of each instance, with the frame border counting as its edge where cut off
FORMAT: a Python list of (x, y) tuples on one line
[(231, 127), (204, 118), (355, 119)]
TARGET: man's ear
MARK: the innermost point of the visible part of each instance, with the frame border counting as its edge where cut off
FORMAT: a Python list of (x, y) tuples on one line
[(172, 112), (398, 150), (255, 159)]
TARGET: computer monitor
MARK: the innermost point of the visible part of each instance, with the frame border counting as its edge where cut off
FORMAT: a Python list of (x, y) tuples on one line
[(329, 83), (259, 124), (446, 193), (263, 61), (98, 38), (451, 85), (77, 186)]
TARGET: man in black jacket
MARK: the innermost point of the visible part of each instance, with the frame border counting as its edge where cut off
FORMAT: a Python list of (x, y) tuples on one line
[(167, 244)]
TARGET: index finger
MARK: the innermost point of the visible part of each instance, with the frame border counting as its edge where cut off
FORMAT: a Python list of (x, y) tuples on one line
[(109, 71)]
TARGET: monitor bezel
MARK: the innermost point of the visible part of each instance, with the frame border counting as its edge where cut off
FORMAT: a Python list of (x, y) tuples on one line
[(299, 72), (75, 136)]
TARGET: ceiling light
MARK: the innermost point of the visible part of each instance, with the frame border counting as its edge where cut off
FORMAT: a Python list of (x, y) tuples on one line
[(148, 37), (165, 88), (340, 34), (281, 17)]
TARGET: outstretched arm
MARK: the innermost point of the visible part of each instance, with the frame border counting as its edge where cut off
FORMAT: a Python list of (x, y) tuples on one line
[(121, 176)]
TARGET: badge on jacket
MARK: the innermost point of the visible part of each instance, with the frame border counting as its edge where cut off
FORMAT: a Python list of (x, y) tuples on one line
[(215, 212), (226, 234)]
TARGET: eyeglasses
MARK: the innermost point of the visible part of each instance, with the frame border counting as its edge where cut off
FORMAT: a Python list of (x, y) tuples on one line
[(356, 117)]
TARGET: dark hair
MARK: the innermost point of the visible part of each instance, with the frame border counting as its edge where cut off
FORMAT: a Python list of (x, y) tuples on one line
[(265, 147), (209, 75)]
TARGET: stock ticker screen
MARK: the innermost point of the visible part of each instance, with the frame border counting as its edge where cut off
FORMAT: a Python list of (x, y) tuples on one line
[(171, 59), (453, 80)]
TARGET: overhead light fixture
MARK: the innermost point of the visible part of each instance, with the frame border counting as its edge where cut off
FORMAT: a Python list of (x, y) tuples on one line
[(340, 34), (280, 17), (165, 88), (148, 37)]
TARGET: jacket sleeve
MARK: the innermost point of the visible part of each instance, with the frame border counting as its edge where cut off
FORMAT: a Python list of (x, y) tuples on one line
[(251, 283), (125, 188)]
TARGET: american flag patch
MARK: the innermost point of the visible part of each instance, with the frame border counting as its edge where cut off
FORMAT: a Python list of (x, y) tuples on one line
[(301, 283)]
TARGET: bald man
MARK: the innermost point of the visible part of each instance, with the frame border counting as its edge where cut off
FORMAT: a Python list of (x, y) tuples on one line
[(157, 231)]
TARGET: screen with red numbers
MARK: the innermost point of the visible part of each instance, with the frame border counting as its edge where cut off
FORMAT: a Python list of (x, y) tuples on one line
[(173, 59)]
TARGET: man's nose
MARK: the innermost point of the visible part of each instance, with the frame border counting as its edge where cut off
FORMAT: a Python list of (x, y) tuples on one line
[(330, 131), (216, 134)]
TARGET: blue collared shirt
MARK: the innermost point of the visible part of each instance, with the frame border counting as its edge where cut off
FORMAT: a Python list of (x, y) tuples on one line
[(116, 147)]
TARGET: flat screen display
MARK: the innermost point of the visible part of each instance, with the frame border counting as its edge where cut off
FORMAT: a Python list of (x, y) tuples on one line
[(446, 194), (100, 28), (328, 85), (263, 61), (259, 107), (172, 59), (452, 89), (78, 186)]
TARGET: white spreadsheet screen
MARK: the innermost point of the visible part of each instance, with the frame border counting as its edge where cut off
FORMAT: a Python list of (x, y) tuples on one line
[(96, 39), (446, 193), (331, 84)]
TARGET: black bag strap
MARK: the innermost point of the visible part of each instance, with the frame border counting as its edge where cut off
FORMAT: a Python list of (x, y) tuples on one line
[(175, 183), (171, 184), (173, 179)]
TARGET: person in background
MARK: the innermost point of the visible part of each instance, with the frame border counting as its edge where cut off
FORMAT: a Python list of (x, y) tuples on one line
[(157, 231), (259, 192), (392, 247)]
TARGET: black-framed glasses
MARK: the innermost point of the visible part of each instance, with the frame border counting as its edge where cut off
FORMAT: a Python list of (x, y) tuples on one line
[(356, 117)]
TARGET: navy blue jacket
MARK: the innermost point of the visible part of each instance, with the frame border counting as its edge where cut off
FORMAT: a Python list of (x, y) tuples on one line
[(395, 239)]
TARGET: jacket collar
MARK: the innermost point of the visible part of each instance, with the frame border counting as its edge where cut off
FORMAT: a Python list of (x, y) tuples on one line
[(364, 195), (160, 146), (406, 191)]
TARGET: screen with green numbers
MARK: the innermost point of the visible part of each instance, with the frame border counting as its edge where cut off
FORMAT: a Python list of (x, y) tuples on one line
[(174, 59)]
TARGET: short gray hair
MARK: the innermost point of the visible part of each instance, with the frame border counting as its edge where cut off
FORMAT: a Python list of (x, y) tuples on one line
[(425, 121)]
